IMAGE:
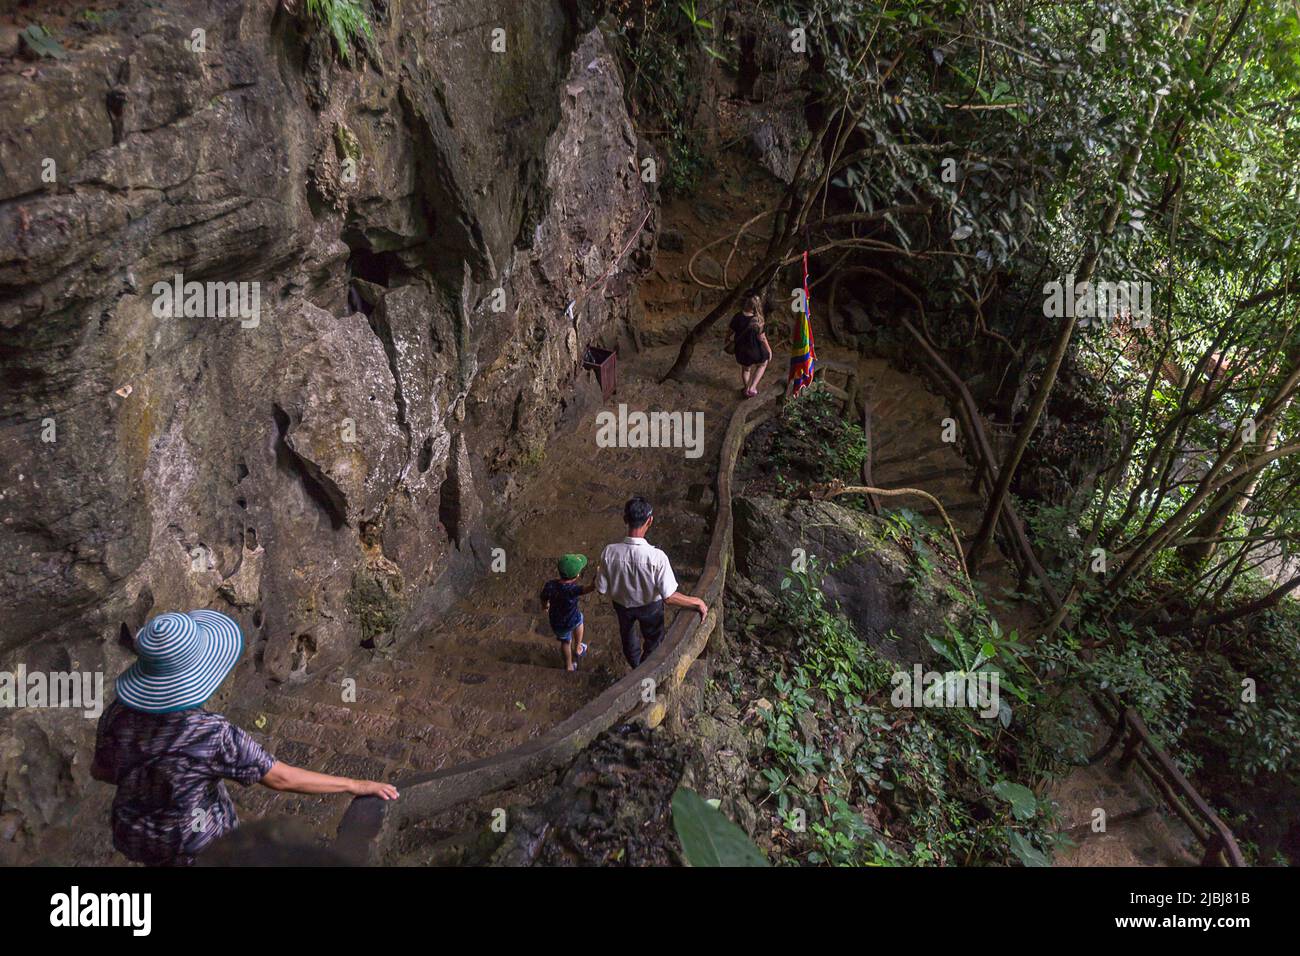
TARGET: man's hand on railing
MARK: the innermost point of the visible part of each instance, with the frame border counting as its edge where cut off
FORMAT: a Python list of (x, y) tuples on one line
[(678, 599)]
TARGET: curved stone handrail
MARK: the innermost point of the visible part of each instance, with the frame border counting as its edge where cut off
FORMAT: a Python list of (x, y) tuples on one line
[(370, 824)]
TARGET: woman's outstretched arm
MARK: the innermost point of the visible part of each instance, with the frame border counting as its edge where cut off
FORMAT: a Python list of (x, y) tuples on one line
[(283, 776)]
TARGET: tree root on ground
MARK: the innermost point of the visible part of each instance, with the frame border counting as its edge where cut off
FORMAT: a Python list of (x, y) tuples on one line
[(835, 491)]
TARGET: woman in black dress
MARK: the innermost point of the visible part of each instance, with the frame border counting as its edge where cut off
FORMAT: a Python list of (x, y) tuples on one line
[(752, 349)]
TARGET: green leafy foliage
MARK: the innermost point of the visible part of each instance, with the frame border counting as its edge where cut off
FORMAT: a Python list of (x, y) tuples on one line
[(708, 838), (815, 442), (858, 782), (1024, 805), (661, 43), (1026, 852), (346, 21), (1153, 142)]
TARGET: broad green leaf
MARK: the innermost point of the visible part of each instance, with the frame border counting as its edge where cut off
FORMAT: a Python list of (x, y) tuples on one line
[(42, 43), (1023, 802), (708, 838), (1024, 851)]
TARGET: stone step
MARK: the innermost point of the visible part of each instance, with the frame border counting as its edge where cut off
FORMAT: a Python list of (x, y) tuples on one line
[(479, 666), (923, 479), (472, 628), (439, 703), (913, 454), (904, 476), (924, 508)]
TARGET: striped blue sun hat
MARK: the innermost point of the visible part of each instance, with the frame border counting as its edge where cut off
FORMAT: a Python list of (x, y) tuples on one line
[(183, 660)]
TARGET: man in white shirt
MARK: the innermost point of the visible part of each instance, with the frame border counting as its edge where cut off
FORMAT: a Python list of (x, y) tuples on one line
[(638, 579)]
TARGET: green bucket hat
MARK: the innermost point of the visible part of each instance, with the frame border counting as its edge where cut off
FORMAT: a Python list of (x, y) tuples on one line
[(571, 565)]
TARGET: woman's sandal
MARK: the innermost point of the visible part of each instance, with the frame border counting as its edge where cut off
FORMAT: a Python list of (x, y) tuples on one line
[(582, 652)]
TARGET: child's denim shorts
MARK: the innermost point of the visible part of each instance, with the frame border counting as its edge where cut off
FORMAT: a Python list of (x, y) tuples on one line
[(568, 635)]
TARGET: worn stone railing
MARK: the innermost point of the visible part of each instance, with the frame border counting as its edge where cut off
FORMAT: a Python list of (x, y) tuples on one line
[(370, 825)]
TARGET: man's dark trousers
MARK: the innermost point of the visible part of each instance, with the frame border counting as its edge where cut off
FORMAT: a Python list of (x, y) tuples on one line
[(651, 619)]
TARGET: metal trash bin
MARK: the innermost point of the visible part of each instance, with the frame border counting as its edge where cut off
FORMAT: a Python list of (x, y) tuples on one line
[(604, 362)]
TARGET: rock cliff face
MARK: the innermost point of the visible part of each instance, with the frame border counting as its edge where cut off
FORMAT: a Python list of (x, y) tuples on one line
[(395, 243)]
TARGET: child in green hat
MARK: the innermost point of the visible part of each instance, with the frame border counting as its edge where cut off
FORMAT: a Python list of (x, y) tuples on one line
[(560, 599)]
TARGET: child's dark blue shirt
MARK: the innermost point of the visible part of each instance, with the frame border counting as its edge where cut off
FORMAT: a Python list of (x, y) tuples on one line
[(563, 599)]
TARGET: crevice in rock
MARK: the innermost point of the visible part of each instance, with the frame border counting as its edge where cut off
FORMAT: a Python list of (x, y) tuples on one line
[(383, 331), (449, 507), (319, 488), (115, 104), (426, 455), (365, 263), (369, 273), (304, 649)]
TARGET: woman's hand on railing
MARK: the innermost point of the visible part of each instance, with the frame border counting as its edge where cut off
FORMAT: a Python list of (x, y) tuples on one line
[(373, 788), (286, 777)]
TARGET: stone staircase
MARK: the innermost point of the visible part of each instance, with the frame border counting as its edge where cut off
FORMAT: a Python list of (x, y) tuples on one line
[(488, 676), (907, 442)]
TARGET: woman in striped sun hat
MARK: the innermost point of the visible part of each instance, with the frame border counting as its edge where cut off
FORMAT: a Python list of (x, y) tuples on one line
[(168, 756), (183, 659)]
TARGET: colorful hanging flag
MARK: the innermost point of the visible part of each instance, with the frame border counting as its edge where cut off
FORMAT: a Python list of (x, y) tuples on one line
[(803, 358)]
